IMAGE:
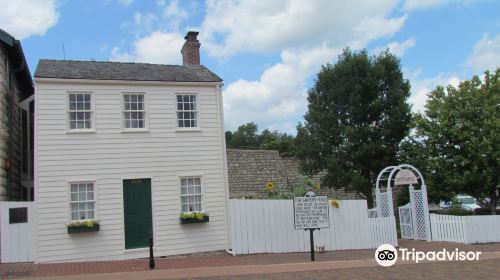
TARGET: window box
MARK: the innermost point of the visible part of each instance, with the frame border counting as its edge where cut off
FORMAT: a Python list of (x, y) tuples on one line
[(194, 218), (83, 226)]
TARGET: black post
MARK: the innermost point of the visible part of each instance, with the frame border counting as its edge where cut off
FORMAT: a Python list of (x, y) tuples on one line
[(151, 257), (311, 237)]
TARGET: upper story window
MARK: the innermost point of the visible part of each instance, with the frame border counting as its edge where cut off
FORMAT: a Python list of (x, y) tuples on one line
[(80, 111), (82, 201), (187, 112), (134, 111)]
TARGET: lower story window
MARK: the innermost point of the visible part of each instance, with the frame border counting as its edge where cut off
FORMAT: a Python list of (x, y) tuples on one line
[(191, 194), (82, 201)]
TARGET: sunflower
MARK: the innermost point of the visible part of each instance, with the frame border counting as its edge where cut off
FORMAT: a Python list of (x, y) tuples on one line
[(335, 203), (270, 186)]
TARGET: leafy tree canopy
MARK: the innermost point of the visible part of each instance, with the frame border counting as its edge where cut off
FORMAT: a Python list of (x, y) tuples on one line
[(247, 137), (458, 139), (357, 115)]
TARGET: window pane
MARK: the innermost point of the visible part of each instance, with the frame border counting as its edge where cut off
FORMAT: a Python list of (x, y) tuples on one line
[(181, 124), (185, 98), (140, 115), (197, 189), (140, 98), (183, 182), (133, 98), (183, 190), (126, 98), (72, 116), (127, 124), (87, 106), (79, 98), (86, 98), (141, 124)]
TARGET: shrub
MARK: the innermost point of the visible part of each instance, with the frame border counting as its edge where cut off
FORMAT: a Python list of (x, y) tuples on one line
[(484, 211)]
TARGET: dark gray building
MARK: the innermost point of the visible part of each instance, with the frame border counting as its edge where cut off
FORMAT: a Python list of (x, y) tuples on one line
[(16, 122)]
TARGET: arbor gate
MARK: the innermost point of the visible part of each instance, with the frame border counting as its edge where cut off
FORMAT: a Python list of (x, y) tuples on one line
[(414, 216)]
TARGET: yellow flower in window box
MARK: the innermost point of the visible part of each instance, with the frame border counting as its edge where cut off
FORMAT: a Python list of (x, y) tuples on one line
[(335, 203), (270, 186)]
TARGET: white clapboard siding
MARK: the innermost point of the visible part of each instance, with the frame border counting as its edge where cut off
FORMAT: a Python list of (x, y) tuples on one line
[(465, 229), (110, 155), (267, 226)]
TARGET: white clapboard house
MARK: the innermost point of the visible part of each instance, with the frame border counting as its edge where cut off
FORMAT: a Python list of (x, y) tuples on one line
[(122, 150)]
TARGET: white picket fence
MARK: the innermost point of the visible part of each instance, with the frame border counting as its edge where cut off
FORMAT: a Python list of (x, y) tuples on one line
[(267, 226), (465, 229)]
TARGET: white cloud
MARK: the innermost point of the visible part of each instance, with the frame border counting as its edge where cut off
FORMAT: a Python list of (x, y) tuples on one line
[(267, 26), (308, 34), (174, 14), (486, 54), (125, 3), (25, 18), (421, 87), (411, 5), (398, 48), (279, 96), (159, 48)]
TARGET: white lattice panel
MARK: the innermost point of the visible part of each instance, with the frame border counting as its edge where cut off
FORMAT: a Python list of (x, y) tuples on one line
[(419, 211), (383, 204)]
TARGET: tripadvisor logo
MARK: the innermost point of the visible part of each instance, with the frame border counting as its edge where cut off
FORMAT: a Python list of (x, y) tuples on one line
[(387, 255)]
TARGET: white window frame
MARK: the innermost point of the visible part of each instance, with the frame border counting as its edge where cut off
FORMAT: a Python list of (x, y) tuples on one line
[(201, 194), (92, 128), (145, 111), (70, 202), (197, 112)]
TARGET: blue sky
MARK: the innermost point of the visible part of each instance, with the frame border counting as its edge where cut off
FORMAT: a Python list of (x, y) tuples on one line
[(267, 52)]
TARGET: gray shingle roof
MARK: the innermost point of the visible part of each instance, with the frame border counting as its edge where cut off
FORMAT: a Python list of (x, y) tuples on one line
[(99, 70)]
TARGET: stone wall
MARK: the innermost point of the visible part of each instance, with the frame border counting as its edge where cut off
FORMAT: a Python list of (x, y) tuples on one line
[(250, 170), (9, 132)]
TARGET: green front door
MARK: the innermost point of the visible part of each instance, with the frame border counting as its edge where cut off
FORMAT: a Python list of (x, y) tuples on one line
[(137, 212)]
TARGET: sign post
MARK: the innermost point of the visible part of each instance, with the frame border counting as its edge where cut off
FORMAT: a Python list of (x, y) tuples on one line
[(311, 213)]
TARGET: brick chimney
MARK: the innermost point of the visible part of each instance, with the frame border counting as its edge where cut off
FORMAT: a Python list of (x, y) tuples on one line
[(191, 49)]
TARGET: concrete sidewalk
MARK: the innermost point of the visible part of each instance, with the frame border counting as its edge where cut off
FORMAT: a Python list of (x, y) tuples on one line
[(220, 264)]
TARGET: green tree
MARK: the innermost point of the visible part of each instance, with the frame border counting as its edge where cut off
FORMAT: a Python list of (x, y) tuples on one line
[(357, 115), (460, 136), (246, 136), (274, 140)]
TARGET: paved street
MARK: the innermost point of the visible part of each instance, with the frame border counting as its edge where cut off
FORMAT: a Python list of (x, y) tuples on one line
[(352, 264), (489, 269)]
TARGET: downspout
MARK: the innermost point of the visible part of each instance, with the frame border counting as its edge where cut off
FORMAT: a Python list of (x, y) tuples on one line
[(224, 165)]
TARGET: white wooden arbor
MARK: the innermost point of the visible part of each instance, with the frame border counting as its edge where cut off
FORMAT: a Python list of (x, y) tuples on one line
[(414, 217)]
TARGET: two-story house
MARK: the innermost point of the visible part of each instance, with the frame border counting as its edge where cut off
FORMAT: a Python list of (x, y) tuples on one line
[(132, 146)]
